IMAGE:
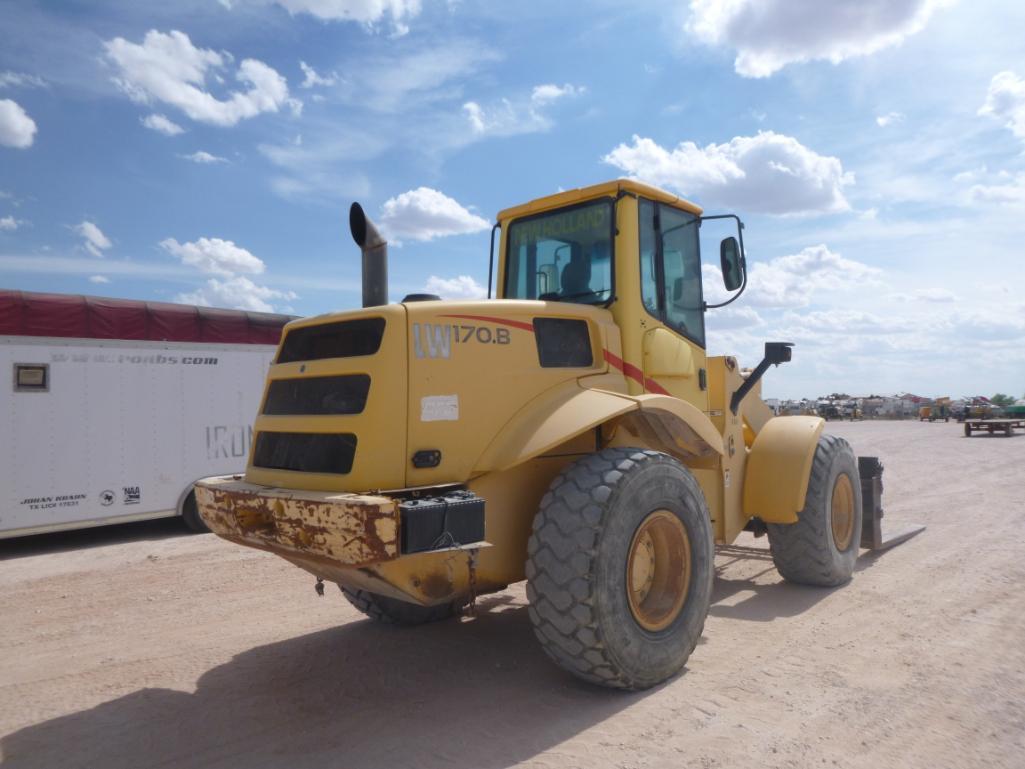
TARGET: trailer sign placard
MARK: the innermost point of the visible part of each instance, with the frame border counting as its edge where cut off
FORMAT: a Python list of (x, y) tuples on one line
[(46, 503)]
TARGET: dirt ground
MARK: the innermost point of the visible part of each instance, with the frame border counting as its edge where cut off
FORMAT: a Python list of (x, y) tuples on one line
[(140, 646)]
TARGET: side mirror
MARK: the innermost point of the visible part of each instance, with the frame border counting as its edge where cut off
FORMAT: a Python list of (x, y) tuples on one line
[(729, 258)]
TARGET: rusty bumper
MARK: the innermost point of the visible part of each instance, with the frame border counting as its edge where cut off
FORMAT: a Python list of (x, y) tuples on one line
[(337, 528)]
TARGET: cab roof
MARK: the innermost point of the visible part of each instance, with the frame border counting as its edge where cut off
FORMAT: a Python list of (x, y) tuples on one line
[(605, 189)]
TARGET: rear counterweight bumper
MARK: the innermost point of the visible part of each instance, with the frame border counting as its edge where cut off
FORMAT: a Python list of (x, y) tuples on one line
[(349, 530)]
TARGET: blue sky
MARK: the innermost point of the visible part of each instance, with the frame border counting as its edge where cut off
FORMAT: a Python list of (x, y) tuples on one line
[(207, 152)]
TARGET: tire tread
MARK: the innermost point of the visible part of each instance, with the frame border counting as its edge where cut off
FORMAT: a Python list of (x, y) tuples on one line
[(801, 551), (562, 547)]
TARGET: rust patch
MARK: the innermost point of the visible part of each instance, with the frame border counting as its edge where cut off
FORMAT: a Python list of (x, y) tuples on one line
[(347, 529), (436, 586)]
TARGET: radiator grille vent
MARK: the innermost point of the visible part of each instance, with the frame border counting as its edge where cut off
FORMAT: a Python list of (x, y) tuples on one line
[(344, 339), (305, 452), (317, 395)]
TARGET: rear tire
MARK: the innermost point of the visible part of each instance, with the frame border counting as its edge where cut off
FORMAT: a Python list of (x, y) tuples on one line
[(619, 568), (190, 515), (384, 609), (821, 548)]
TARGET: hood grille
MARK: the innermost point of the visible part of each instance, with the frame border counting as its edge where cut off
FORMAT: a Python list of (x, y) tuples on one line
[(344, 339), (314, 396), (305, 452)]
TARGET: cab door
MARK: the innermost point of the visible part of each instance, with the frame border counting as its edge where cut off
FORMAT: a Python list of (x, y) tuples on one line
[(673, 347)]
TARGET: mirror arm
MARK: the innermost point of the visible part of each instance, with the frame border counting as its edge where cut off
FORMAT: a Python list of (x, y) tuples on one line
[(775, 353), (743, 262), (736, 296)]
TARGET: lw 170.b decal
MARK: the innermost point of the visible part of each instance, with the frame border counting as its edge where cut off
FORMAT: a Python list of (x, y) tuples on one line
[(435, 340)]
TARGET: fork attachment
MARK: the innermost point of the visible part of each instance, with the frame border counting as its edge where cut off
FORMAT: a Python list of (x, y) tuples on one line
[(871, 471)]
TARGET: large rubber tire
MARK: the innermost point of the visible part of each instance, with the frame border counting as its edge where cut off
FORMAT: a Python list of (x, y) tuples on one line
[(577, 567), (190, 515), (806, 552), (395, 612)]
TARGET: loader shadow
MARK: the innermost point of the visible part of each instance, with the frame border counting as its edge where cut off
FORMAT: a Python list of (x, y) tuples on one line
[(459, 693), (82, 539), (765, 596)]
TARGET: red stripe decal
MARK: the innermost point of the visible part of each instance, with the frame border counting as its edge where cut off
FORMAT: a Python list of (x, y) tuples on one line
[(634, 373), (500, 321)]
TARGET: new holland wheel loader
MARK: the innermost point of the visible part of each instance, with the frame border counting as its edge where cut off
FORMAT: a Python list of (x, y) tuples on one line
[(571, 432)]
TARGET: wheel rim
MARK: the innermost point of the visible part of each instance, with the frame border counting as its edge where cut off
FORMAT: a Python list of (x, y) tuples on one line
[(658, 570), (841, 512)]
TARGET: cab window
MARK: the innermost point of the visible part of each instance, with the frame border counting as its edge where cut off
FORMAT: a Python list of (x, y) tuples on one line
[(563, 255), (671, 268)]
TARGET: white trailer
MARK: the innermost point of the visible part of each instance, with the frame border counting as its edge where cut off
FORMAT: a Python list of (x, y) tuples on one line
[(100, 430)]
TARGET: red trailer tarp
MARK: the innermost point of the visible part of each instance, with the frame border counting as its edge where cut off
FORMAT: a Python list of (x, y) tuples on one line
[(24, 313)]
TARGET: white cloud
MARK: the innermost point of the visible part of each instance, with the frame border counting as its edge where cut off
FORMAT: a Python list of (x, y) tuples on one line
[(42, 264), (400, 82), (237, 293), (971, 176), (95, 241), (461, 287), (770, 34), (214, 256), (508, 117), (98, 279), (936, 295), (1005, 101), (1002, 188), (168, 68), (204, 158), (17, 129), (889, 118), (425, 214), (769, 173), (733, 317), (9, 223), (837, 321), (548, 92), (161, 124), (313, 79), (794, 280), (367, 12), (10, 79)]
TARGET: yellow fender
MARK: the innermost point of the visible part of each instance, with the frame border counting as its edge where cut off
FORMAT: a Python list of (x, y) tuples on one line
[(568, 410), (779, 467), (675, 425)]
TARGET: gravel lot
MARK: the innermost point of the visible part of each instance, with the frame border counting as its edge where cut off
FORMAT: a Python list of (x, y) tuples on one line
[(140, 646)]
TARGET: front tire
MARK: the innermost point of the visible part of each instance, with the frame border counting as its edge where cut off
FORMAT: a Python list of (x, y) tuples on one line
[(620, 568), (821, 548), (391, 610)]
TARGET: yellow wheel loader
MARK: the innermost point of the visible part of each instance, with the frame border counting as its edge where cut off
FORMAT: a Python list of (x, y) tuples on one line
[(571, 432)]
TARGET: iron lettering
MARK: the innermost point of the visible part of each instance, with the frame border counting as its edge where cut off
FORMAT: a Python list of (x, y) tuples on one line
[(228, 441)]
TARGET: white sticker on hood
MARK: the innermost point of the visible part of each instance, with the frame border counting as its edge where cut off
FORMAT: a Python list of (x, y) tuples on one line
[(439, 408)]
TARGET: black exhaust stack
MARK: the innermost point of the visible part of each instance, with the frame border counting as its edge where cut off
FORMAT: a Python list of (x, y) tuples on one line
[(375, 257)]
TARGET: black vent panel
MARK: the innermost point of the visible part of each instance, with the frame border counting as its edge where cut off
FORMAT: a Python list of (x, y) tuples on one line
[(344, 339), (562, 343), (305, 452), (317, 395)]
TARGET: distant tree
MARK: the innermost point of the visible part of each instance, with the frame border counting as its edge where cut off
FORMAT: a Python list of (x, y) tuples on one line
[(1002, 400)]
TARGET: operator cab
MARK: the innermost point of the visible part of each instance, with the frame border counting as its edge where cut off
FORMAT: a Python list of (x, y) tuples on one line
[(563, 249)]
